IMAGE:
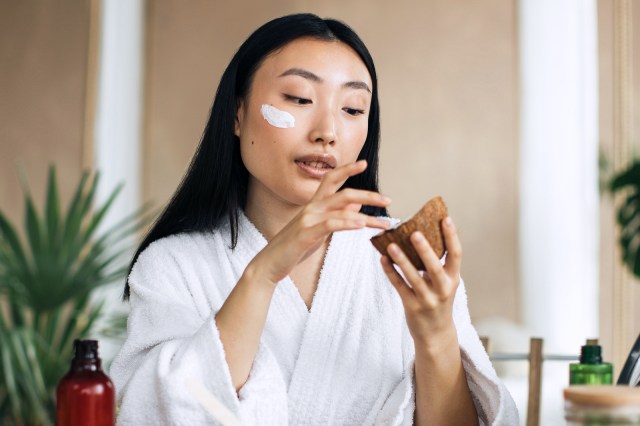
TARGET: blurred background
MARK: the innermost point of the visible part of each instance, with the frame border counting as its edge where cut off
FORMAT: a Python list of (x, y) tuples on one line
[(515, 112)]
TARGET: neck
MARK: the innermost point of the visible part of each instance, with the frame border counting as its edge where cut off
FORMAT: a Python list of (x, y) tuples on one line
[(270, 213)]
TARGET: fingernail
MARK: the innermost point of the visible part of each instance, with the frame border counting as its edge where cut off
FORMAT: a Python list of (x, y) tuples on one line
[(393, 249), (417, 236), (448, 221), (385, 199), (384, 223)]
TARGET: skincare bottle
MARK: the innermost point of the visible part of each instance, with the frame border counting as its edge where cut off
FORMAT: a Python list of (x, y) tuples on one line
[(591, 370), (85, 395)]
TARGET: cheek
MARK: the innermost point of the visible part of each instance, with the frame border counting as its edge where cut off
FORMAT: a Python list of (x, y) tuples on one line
[(261, 128), (255, 133), (261, 141), (354, 138)]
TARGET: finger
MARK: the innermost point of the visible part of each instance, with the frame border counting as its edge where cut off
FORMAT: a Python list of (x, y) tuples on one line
[(348, 216), (374, 222), (432, 264), (410, 272), (350, 196), (334, 179), (335, 224), (396, 279), (454, 248)]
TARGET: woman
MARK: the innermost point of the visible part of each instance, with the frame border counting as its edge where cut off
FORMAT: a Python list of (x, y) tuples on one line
[(259, 281)]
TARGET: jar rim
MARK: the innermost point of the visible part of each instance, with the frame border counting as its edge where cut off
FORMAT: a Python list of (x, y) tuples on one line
[(602, 395)]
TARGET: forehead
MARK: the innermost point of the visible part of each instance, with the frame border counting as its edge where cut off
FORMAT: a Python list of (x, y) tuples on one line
[(330, 60)]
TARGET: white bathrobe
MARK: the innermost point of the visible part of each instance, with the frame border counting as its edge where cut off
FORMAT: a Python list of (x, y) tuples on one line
[(347, 361)]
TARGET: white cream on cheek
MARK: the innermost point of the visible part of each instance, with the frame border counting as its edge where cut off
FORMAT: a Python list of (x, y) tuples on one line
[(277, 118)]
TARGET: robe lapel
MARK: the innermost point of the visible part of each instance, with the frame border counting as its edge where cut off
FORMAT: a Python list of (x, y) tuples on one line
[(344, 356), (308, 344), (288, 313), (310, 385)]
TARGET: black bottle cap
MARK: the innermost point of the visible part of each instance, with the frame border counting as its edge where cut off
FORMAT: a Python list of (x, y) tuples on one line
[(591, 353), (86, 349)]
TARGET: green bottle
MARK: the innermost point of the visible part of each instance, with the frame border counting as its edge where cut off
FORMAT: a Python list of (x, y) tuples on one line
[(591, 370)]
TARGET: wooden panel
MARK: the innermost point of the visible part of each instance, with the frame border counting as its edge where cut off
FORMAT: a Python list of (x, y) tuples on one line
[(535, 381), (619, 79), (43, 67)]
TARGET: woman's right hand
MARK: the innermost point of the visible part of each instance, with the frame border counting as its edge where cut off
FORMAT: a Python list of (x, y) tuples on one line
[(328, 211)]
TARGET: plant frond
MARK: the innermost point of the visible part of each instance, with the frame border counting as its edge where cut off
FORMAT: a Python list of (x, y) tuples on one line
[(52, 212), (48, 272)]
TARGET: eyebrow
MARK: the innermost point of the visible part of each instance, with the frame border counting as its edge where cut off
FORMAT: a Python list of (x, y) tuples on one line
[(311, 76)]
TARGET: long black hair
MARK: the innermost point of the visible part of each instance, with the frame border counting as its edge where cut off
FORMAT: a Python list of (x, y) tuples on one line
[(215, 185)]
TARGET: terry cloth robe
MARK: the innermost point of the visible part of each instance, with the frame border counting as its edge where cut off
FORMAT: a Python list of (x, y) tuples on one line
[(346, 361)]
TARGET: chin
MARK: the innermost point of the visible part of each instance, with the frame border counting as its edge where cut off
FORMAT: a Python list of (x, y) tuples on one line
[(301, 200), (302, 196)]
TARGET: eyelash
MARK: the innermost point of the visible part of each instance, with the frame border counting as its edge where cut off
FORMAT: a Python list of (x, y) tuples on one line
[(302, 101), (353, 111), (297, 100)]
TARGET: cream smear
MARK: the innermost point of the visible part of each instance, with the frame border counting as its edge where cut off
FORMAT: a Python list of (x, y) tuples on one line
[(277, 118)]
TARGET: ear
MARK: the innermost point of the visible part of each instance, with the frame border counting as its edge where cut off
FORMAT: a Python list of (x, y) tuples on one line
[(239, 118)]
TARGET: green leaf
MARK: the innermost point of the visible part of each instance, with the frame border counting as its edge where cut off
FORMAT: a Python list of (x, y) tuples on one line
[(90, 319), (8, 373), (628, 177), (52, 326), (9, 236), (628, 215), (75, 313), (34, 226), (17, 313), (97, 218), (14, 262), (28, 346), (30, 381), (52, 212), (74, 214), (4, 406), (128, 225)]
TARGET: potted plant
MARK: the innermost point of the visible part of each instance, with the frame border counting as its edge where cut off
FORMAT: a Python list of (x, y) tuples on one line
[(628, 215), (48, 272)]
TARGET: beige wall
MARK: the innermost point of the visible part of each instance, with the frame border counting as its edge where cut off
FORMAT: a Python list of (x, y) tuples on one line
[(447, 77), (43, 75)]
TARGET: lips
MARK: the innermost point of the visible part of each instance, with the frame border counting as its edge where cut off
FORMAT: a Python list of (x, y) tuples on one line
[(319, 161), (316, 165)]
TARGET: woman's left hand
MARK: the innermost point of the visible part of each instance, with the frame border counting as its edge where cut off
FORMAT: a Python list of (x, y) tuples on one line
[(428, 297)]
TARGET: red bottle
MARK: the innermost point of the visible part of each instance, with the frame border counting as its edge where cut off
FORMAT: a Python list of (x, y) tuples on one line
[(85, 395)]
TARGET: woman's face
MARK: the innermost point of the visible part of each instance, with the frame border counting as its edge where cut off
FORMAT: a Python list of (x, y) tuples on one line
[(307, 112)]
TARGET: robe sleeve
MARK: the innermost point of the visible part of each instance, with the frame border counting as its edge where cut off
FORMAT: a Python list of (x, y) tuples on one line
[(172, 338), (492, 400)]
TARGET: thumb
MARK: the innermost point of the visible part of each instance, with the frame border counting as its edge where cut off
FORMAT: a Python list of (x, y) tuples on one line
[(396, 279)]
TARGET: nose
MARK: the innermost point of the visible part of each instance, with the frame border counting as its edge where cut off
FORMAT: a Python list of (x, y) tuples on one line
[(324, 129)]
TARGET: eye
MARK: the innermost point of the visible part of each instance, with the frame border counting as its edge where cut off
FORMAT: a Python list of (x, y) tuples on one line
[(353, 111), (297, 100)]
